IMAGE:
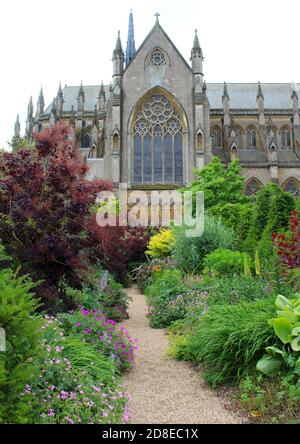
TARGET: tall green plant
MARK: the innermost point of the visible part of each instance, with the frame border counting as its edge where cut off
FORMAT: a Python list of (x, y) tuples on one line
[(19, 362)]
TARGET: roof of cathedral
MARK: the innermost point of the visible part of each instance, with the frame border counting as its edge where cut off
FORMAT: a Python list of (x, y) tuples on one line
[(241, 96)]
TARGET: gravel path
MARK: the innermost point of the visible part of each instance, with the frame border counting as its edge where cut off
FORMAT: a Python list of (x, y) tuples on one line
[(163, 390)]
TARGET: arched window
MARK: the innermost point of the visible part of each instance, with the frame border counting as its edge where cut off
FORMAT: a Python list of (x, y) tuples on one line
[(292, 186), (86, 143), (252, 187), (216, 137), (286, 138), (157, 142), (251, 138), (199, 142)]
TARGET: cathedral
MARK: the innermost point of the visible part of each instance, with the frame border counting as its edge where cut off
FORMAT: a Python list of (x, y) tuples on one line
[(159, 119)]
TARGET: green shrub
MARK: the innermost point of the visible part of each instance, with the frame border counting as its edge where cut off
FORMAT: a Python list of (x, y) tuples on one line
[(234, 289), (19, 363), (189, 252), (237, 216), (100, 291), (230, 338), (272, 212), (224, 262), (165, 286)]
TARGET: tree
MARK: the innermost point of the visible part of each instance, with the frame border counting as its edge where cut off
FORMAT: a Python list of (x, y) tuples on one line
[(220, 183), (45, 209)]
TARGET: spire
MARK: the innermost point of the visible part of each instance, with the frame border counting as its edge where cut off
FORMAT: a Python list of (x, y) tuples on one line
[(196, 50), (226, 109), (130, 50), (40, 103), (59, 100), (196, 40), (17, 127), (81, 91), (30, 109), (118, 49), (225, 92), (118, 58), (259, 92), (102, 100), (81, 98)]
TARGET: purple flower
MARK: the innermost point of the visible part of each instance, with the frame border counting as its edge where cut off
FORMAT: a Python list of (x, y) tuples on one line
[(78, 324), (51, 412)]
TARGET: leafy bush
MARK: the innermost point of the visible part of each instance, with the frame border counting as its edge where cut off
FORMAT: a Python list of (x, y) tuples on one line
[(272, 212), (288, 245), (45, 211), (77, 384), (116, 247), (287, 329), (94, 328), (189, 252), (101, 291), (238, 217), (230, 338), (19, 363), (161, 244), (165, 286), (224, 262), (234, 289), (220, 183)]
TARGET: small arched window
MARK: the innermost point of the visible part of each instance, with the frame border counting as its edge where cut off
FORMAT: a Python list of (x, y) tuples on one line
[(251, 138), (216, 137), (199, 142), (252, 187), (86, 140), (292, 186), (286, 138)]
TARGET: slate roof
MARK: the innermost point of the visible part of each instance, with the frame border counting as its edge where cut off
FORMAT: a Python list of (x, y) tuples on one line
[(241, 96), (91, 95)]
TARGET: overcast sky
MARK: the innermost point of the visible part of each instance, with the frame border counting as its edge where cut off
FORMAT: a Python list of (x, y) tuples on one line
[(45, 42)]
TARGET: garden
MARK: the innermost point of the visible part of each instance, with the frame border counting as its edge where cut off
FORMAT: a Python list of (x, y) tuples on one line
[(229, 300)]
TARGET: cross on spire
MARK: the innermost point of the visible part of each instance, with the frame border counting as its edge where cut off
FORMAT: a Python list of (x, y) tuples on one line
[(157, 15)]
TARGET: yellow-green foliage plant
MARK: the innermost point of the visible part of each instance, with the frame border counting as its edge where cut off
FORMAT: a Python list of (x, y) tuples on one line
[(247, 270), (257, 264), (161, 244)]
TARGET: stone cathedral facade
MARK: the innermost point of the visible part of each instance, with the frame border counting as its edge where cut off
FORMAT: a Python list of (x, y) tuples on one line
[(158, 120)]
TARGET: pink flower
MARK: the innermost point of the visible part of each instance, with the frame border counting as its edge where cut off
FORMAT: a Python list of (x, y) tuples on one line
[(105, 414), (97, 389), (69, 420), (78, 324)]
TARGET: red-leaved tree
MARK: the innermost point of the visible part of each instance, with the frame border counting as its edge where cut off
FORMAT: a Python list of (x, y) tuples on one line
[(45, 209), (117, 246), (288, 245)]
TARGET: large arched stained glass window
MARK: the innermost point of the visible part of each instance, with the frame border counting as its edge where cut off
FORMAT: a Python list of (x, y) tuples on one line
[(157, 142)]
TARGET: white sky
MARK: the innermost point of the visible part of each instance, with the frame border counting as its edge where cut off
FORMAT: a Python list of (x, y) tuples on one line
[(45, 42)]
